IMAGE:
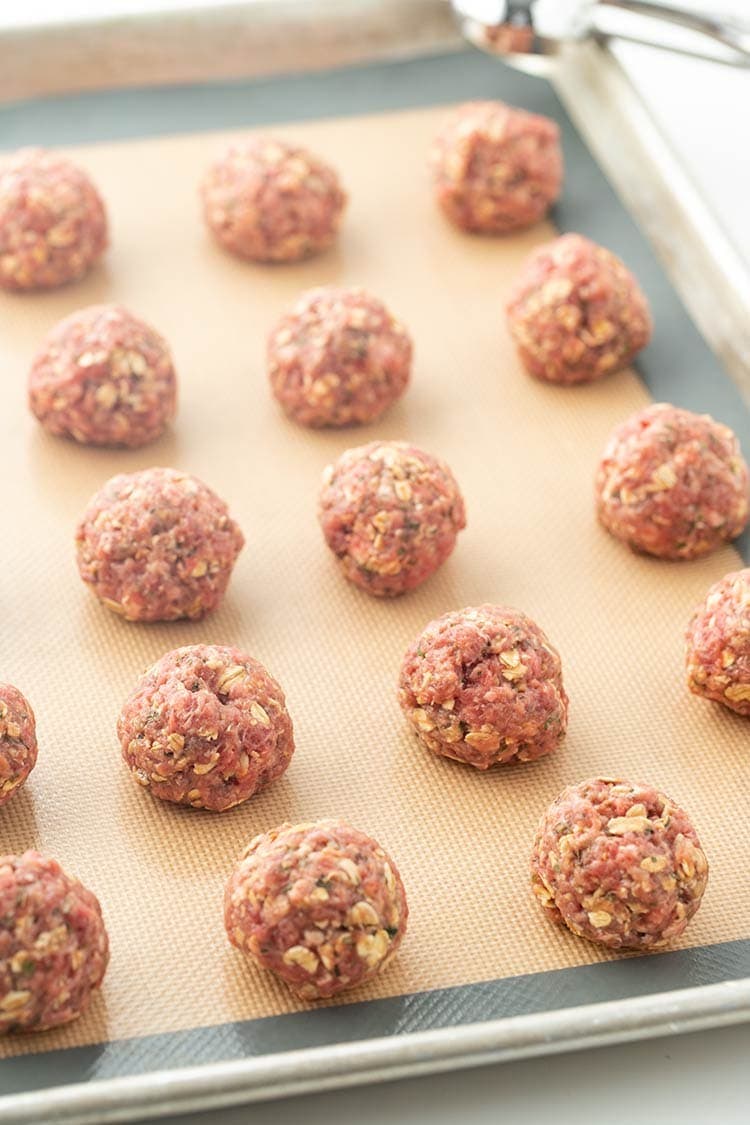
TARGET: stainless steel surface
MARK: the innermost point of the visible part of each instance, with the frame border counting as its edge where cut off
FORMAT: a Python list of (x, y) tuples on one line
[(213, 40), (518, 28), (380, 1060)]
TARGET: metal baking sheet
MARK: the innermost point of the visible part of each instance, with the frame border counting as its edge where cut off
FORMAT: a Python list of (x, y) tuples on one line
[(430, 1028)]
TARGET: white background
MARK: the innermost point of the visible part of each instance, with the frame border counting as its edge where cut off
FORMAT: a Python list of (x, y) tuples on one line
[(704, 111)]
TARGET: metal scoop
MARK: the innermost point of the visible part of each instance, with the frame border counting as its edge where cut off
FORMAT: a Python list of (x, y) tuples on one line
[(522, 29)]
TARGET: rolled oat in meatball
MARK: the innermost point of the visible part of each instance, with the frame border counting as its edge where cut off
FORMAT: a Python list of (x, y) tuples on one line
[(390, 513), (18, 748), (321, 905), (496, 169), (576, 312), (206, 726), (718, 644), (53, 945), (484, 685), (338, 358), (672, 483), (619, 864), (53, 226), (270, 201), (157, 545), (104, 377)]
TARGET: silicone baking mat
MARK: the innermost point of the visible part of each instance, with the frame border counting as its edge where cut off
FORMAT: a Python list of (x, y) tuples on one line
[(524, 454)]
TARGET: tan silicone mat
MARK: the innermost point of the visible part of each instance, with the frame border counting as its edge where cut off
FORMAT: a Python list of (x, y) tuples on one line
[(524, 455)]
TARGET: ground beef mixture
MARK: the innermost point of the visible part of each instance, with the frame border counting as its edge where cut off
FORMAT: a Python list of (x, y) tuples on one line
[(672, 483), (338, 358), (718, 644), (484, 686), (321, 905), (206, 726), (18, 748), (496, 169), (53, 225), (619, 864), (390, 513), (53, 944), (508, 39), (576, 312), (104, 377), (157, 545), (270, 201)]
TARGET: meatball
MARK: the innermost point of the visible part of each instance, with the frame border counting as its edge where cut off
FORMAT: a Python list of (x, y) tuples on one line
[(619, 864), (53, 945), (496, 169), (576, 312), (338, 358), (390, 513), (672, 483), (157, 545), (104, 377), (321, 905), (484, 686), (270, 201), (18, 748), (718, 644), (206, 726), (53, 225)]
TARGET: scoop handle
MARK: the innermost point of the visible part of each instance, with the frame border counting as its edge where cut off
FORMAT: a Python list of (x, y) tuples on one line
[(731, 37)]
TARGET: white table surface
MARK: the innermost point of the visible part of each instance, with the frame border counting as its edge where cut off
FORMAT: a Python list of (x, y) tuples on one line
[(694, 1079)]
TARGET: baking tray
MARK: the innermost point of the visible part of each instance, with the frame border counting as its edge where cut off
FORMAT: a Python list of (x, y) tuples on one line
[(425, 1028)]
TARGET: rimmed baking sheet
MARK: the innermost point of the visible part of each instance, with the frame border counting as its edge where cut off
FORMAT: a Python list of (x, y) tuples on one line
[(524, 454)]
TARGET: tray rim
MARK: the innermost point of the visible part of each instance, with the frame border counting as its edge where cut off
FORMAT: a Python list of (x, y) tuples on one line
[(696, 252), (211, 40), (711, 277), (220, 1085)]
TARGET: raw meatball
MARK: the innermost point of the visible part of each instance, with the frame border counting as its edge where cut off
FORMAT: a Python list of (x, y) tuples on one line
[(484, 686), (157, 545), (53, 226), (619, 864), (53, 945), (18, 747), (496, 168), (206, 726), (672, 483), (390, 513), (271, 201), (104, 377), (576, 312), (338, 358), (718, 644), (321, 905)]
